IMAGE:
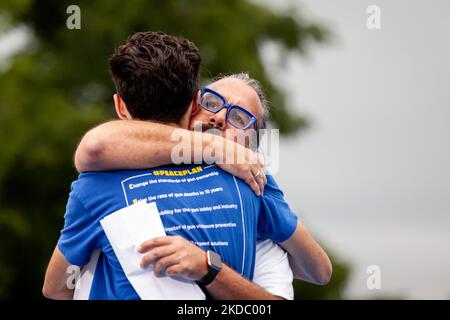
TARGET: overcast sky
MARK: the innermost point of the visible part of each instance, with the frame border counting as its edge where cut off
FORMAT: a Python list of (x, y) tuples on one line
[(372, 176)]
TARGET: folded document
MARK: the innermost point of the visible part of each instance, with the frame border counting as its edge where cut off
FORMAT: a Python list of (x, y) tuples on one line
[(126, 229)]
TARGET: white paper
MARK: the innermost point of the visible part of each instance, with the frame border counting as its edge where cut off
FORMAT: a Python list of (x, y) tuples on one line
[(126, 229)]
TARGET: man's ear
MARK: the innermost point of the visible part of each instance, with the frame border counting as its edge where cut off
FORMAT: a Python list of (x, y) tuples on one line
[(121, 108), (195, 107)]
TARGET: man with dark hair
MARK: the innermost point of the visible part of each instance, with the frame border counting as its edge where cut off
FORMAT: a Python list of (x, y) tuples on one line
[(221, 214), (156, 75)]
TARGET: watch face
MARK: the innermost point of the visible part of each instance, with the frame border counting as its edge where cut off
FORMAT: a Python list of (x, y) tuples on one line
[(214, 260)]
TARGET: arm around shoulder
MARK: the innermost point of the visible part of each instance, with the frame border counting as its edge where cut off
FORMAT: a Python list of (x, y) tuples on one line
[(308, 260)]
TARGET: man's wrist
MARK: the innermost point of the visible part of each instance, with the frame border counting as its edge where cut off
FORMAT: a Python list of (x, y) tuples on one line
[(204, 271), (214, 266)]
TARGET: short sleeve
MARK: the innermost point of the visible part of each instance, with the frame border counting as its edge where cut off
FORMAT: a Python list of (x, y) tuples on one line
[(79, 237), (272, 270), (276, 220)]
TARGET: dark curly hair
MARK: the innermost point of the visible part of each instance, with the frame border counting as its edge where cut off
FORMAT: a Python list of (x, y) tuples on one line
[(156, 75)]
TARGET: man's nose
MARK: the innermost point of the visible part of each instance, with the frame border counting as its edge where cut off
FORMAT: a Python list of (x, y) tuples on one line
[(219, 120)]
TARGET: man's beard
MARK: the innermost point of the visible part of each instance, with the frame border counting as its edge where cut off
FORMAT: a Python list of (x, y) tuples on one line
[(211, 128)]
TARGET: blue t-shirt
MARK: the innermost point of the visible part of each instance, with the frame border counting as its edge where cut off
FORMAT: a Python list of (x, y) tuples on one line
[(201, 203)]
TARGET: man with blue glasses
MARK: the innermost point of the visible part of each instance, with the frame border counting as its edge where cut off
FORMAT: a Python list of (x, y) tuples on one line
[(95, 195), (237, 116)]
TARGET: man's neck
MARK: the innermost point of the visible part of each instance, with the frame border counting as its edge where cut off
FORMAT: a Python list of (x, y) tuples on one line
[(182, 125), (174, 124)]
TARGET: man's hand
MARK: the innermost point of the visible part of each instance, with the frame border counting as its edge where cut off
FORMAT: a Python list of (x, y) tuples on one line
[(241, 162), (174, 255)]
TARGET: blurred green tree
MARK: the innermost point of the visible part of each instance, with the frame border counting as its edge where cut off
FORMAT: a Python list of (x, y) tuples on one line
[(59, 86)]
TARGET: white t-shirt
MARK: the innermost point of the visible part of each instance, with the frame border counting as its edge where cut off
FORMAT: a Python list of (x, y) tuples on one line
[(272, 270)]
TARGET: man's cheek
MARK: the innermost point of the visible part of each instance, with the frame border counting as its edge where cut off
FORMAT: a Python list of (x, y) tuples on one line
[(195, 120)]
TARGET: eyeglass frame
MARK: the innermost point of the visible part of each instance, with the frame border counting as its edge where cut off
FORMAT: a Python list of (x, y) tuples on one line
[(230, 107)]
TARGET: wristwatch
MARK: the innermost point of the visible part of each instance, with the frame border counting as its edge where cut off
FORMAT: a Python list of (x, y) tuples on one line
[(214, 266)]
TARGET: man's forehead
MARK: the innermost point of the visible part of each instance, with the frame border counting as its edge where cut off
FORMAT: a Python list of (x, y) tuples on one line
[(236, 91)]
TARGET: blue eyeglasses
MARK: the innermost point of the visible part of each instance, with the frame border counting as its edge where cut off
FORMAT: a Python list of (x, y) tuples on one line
[(236, 115)]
